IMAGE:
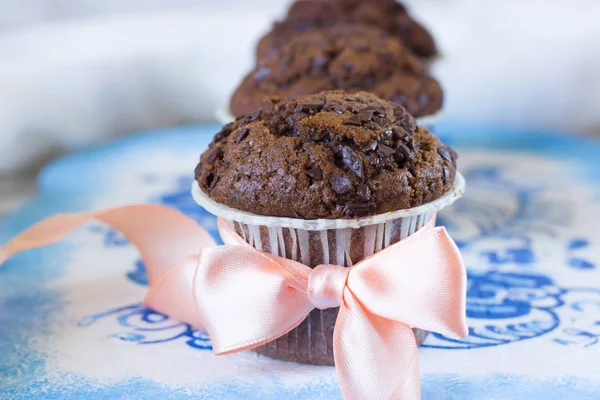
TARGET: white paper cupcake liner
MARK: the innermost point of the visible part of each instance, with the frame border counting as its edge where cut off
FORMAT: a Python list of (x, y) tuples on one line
[(248, 218), (224, 116)]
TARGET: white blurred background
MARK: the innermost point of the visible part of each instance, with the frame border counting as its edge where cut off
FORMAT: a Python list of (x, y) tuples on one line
[(75, 72)]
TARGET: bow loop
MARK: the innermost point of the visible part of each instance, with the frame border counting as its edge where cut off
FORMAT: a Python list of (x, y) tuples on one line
[(247, 298), (420, 281)]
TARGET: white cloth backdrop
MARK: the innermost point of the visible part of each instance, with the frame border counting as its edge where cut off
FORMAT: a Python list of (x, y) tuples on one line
[(73, 72)]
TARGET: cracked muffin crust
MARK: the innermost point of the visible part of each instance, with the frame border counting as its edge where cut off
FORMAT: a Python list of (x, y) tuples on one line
[(329, 155)]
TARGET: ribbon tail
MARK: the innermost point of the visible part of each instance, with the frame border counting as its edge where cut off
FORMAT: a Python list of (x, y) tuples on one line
[(173, 294), (163, 235), (376, 358)]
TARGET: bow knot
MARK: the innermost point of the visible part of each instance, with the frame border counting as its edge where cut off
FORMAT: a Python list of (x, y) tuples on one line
[(326, 285)]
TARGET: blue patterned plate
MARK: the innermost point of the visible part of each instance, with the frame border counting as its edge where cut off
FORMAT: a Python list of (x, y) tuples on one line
[(72, 326)]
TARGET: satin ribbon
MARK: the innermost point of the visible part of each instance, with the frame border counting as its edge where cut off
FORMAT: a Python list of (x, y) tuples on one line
[(245, 298)]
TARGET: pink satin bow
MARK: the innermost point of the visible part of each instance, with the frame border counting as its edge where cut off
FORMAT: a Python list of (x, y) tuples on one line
[(245, 298)]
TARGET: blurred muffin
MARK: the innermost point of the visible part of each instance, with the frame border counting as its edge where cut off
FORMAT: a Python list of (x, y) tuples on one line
[(387, 15), (348, 57)]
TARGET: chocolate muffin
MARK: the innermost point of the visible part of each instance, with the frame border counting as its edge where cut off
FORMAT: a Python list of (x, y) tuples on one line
[(332, 157), (388, 15), (329, 155), (347, 57)]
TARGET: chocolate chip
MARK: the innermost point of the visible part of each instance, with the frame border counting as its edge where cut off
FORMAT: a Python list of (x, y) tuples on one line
[(313, 105), (376, 111), (220, 136), (211, 180), (363, 192), (340, 184), (365, 115), (241, 135), (225, 131), (213, 154), (381, 121), (353, 162), (353, 120), (262, 73), (372, 126), (254, 116), (246, 151), (387, 134), (371, 145), (359, 210), (409, 124), (446, 174), (402, 154), (400, 133), (399, 112), (335, 107), (445, 154), (315, 173), (385, 150), (402, 148)]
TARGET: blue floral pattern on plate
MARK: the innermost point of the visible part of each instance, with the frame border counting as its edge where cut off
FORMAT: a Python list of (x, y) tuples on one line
[(145, 326)]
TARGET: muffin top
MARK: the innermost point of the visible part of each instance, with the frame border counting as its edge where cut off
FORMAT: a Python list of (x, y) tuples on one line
[(346, 57), (329, 155), (388, 15)]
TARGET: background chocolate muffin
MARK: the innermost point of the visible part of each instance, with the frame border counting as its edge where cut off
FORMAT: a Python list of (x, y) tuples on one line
[(347, 57), (388, 15), (329, 155)]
